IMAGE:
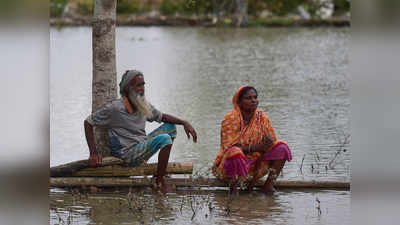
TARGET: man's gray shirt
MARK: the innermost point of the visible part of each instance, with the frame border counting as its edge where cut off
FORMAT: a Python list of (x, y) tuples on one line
[(126, 128)]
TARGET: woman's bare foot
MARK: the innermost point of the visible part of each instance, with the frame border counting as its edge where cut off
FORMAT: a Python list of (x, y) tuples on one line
[(268, 189), (250, 188), (233, 187)]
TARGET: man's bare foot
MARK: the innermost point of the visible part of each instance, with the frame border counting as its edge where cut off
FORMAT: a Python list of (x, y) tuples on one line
[(165, 188), (162, 186)]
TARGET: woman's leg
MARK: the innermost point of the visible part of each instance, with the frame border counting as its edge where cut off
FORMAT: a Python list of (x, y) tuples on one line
[(255, 178), (276, 166), (233, 186), (235, 167)]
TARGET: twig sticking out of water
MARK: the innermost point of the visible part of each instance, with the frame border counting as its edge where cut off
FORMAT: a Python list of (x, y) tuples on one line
[(346, 140), (301, 166), (182, 203), (318, 206)]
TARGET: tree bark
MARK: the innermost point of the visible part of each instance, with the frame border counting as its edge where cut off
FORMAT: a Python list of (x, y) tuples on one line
[(104, 84)]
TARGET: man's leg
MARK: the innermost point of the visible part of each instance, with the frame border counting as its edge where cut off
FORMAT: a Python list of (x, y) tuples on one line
[(160, 139), (163, 158), (165, 128)]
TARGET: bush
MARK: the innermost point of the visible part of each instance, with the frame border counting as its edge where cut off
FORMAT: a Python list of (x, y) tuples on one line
[(312, 6), (127, 6), (85, 7), (256, 6), (57, 7), (200, 7), (170, 7), (282, 7), (341, 5)]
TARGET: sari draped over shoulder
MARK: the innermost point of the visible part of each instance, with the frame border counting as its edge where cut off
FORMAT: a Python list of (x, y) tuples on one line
[(231, 162)]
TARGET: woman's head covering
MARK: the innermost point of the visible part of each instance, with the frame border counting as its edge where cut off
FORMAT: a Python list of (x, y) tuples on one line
[(126, 79), (235, 99)]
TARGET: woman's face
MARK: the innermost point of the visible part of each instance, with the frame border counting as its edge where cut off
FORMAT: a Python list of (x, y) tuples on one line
[(249, 101)]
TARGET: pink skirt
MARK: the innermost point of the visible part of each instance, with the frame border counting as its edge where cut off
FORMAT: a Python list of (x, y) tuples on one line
[(239, 166)]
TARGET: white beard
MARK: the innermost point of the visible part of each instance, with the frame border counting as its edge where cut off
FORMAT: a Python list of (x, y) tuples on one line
[(140, 103)]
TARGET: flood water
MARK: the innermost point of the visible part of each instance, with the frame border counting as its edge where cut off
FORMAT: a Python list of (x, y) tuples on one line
[(302, 79)]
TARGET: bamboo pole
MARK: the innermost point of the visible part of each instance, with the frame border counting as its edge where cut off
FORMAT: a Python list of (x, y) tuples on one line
[(146, 169), (183, 182)]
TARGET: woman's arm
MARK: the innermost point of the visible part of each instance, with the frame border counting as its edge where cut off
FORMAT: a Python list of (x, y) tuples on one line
[(262, 147)]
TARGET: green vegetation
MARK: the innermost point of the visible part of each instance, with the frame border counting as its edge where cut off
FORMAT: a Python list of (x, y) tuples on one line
[(198, 7), (128, 6), (57, 7), (170, 7), (226, 8), (272, 22), (85, 7), (341, 6), (282, 7)]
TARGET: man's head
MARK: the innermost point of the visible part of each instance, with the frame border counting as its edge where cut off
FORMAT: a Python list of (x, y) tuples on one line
[(127, 78), (132, 86)]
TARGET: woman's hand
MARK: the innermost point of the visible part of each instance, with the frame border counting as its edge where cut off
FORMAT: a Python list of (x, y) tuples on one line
[(267, 142)]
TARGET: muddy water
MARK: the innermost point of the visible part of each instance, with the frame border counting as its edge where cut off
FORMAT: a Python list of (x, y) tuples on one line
[(207, 207), (302, 78)]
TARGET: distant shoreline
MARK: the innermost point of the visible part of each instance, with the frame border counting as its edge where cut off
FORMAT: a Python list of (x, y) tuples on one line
[(180, 21)]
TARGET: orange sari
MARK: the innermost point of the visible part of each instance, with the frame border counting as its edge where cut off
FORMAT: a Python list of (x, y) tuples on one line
[(233, 131)]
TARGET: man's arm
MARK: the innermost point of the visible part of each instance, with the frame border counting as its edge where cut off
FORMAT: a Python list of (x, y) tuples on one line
[(189, 130), (94, 158)]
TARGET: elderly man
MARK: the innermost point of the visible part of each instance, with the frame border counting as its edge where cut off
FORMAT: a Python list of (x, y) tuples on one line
[(125, 120)]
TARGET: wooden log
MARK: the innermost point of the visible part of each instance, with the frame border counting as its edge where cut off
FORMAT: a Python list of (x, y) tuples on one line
[(183, 182), (72, 167), (145, 169), (111, 167)]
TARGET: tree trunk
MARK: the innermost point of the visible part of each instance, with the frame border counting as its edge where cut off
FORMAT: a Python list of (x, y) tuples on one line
[(104, 84), (241, 13)]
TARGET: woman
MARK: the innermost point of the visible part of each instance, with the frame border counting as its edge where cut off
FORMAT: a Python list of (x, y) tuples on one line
[(249, 148)]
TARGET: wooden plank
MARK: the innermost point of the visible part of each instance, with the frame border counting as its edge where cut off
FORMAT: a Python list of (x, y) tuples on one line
[(146, 169), (182, 182)]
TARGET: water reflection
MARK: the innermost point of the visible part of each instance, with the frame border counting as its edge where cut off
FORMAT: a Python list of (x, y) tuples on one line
[(204, 207)]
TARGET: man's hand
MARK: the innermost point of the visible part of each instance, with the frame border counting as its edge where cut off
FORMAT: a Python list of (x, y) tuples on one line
[(95, 160), (189, 130)]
